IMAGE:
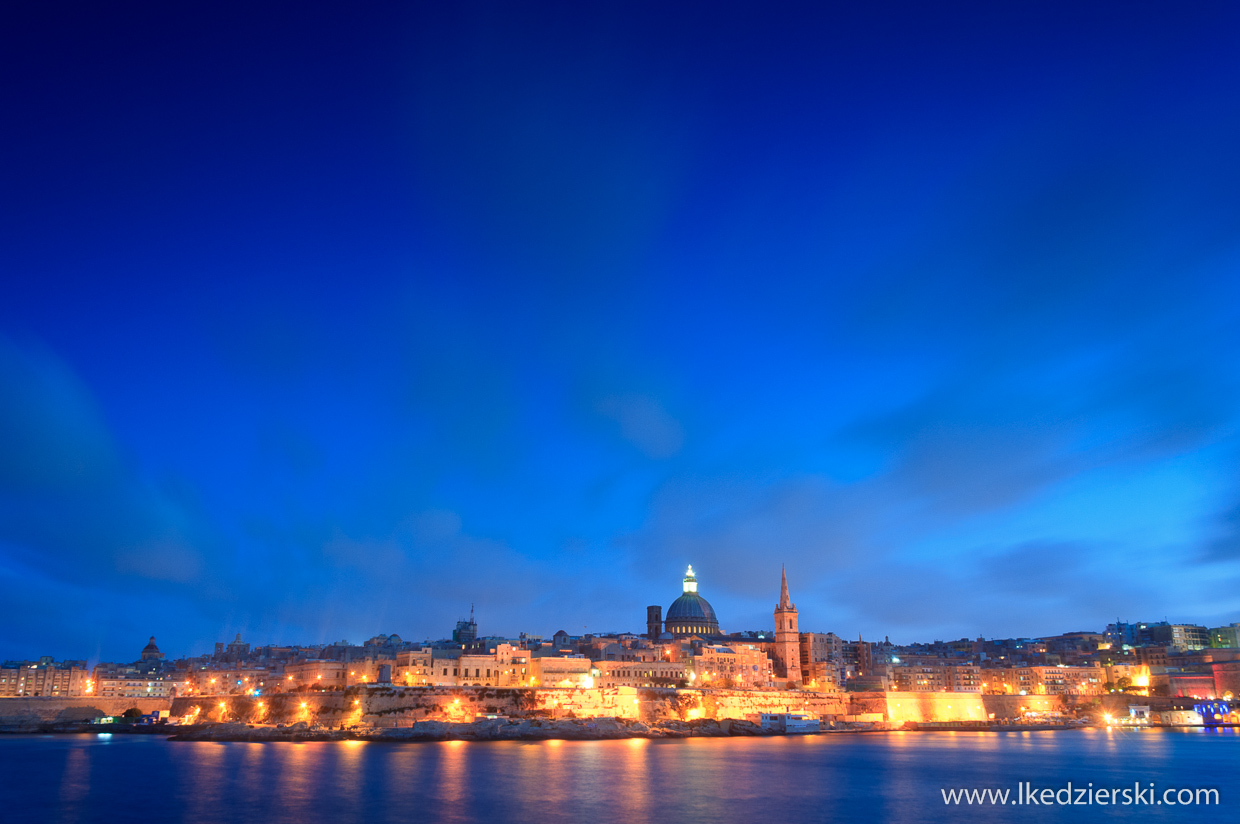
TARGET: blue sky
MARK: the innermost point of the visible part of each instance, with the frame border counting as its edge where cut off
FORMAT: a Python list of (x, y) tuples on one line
[(323, 322)]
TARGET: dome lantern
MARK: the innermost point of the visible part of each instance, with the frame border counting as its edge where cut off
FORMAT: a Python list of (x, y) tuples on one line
[(690, 582)]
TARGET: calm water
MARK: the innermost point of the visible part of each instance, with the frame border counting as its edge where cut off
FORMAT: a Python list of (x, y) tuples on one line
[(877, 777)]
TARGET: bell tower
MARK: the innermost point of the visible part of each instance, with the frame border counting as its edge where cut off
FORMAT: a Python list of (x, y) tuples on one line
[(786, 654), (654, 622)]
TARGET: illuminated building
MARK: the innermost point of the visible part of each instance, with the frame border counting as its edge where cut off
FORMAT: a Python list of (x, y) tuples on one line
[(823, 662), (641, 674), (734, 666), (414, 668), (505, 666), (317, 674), (1058, 680), (44, 678), (129, 682), (562, 671), (238, 680), (1126, 676), (956, 677), (1227, 637), (916, 678)]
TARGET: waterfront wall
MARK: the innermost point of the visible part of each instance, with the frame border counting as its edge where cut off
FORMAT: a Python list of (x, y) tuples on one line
[(20, 712), (956, 706), (397, 706), (403, 706), (932, 706)]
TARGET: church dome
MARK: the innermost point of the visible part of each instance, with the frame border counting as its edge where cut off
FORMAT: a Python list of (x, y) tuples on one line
[(691, 607), (691, 614), (151, 652)]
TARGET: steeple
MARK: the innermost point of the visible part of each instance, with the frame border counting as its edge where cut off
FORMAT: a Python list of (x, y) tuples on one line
[(786, 651)]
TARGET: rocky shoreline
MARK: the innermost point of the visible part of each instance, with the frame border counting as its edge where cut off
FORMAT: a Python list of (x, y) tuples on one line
[(496, 729), (592, 729)]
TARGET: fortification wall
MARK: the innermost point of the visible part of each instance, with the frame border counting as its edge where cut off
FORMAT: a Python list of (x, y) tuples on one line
[(950, 706), (39, 710), (403, 706), (400, 706), (936, 706)]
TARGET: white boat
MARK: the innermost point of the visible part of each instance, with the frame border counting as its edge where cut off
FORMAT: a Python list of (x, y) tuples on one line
[(789, 722)]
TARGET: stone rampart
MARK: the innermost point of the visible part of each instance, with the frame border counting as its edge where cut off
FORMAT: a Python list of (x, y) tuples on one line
[(402, 706), (32, 711)]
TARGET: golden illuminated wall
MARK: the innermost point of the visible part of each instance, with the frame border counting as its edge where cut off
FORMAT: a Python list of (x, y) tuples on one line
[(464, 703), (936, 706)]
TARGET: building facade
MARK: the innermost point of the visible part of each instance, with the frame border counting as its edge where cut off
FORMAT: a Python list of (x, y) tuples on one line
[(45, 678)]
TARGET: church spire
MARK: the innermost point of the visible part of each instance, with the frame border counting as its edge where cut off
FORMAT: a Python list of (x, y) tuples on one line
[(786, 652)]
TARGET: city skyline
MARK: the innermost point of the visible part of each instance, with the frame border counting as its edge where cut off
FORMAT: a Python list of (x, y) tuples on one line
[(717, 634), (398, 309)]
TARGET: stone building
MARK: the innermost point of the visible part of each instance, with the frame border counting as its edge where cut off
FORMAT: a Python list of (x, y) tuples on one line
[(786, 652), (415, 668), (562, 671), (641, 674), (112, 681), (45, 678), (316, 674), (734, 666), (233, 680), (823, 662)]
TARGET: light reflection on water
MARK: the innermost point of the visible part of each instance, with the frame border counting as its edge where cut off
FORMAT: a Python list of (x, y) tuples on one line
[(873, 777), (74, 783)]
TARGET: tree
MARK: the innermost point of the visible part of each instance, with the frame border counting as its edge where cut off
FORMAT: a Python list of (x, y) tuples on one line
[(132, 712)]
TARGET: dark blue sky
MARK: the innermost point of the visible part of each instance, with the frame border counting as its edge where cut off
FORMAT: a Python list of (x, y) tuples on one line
[(319, 323)]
